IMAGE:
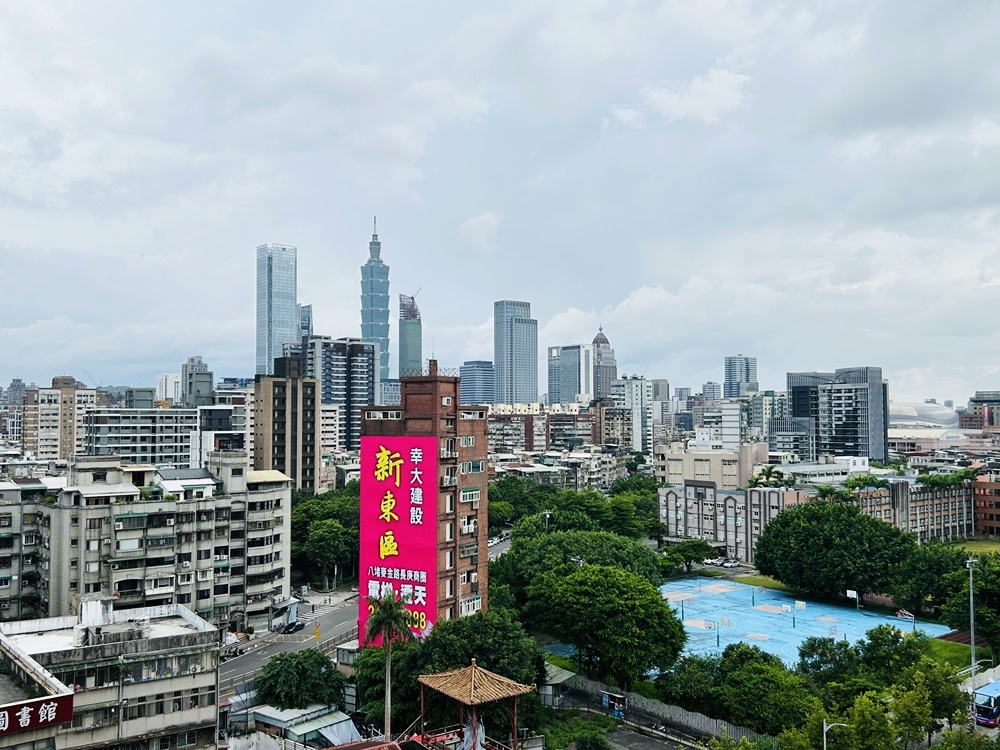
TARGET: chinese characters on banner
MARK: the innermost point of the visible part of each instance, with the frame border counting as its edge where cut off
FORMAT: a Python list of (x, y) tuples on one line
[(35, 714), (399, 477)]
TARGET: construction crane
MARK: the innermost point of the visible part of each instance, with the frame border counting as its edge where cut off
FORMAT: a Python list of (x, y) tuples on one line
[(93, 380)]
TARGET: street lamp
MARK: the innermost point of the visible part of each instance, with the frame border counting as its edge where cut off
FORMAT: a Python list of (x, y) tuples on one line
[(970, 564), (828, 727), (546, 513)]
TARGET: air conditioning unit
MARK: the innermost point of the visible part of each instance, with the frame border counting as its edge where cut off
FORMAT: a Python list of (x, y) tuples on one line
[(107, 541), (115, 566), (170, 522), (186, 564), (475, 505), (474, 577), (202, 518), (119, 526), (5, 605)]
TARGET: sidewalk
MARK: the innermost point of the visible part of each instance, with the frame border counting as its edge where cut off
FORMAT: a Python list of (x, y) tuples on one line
[(332, 598)]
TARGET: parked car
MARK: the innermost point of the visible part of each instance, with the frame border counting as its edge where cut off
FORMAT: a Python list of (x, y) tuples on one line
[(493, 542), (715, 561), (294, 627), (731, 564)]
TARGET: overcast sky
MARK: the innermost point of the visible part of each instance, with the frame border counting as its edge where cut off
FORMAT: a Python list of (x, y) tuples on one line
[(815, 184)]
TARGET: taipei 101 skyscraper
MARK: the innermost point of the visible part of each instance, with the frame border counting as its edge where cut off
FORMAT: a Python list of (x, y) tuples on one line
[(375, 302)]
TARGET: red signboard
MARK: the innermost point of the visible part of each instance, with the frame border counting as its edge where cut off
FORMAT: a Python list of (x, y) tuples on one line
[(35, 714), (399, 526)]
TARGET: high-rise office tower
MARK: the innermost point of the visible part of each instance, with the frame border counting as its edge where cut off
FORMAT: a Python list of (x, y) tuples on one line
[(411, 356), (661, 389), (348, 377), (571, 373), (848, 408), (375, 303), (278, 316), (515, 353), (741, 376), (305, 320), (712, 391), (605, 367), (476, 382)]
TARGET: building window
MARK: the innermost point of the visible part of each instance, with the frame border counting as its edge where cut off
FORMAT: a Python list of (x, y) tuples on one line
[(470, 495), (449, 588), (449, 531), (449, 559), (467, 441), (449, 503)]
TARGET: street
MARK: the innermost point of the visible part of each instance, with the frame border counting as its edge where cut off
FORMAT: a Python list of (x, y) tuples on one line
[(334, 620)]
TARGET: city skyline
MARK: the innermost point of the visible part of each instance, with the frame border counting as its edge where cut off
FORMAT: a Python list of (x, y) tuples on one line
[(804, 219)]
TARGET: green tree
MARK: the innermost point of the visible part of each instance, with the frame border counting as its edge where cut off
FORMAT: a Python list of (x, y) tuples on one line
[(500, 514), (330, 545), (767, 698), (692, 551), (725, 742), (911, 711), (637, 483), (943, 688), (692, 683), (826, 548), (886, 652), (868, 724), (616, 619), (531, 555), (623, 520), (388, 620), (955, 612), (926, 579), (825, 660), (296, 679)]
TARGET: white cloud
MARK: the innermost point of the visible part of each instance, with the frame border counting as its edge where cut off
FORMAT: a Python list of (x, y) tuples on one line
[(480, 231), (707, 98)]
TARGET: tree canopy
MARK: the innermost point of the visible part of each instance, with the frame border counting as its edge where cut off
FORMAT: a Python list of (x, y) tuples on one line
[(616, 619), (296, 679), (826, 548)]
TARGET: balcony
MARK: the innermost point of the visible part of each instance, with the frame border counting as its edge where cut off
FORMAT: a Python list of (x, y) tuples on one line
[(449, 481), (445, 453)]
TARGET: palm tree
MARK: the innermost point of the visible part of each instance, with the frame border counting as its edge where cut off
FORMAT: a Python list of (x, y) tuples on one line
[(389, 620), (826, 492)]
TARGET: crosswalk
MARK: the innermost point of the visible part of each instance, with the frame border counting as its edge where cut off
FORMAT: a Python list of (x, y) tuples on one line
[(306, 613)]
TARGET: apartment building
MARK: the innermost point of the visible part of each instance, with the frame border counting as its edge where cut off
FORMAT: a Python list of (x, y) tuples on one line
[(141, 436), (138, 679), (457, 585), (286, 417), (215, 540), (53, 419)]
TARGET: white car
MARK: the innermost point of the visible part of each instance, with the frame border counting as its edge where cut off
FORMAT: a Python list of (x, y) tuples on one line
[(493, 542), (731, 564)]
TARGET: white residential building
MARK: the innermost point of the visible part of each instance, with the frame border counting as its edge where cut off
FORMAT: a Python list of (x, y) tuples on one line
[(636, 395)]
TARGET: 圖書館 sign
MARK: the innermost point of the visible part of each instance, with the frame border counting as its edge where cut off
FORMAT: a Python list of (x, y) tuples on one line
[(37, 713)]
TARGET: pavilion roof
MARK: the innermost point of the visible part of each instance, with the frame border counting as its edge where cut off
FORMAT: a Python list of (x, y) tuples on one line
[(473, 686)]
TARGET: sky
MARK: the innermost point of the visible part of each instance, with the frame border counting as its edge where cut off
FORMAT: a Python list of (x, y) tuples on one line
[(812, 183)]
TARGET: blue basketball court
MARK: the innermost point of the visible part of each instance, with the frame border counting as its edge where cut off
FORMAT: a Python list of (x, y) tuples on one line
[(717, 612)]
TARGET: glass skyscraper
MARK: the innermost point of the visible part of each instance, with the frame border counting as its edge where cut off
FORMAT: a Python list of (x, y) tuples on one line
[(375, 303), (741, 376), (515, 353), (411, 357), (278, 317), (605, 367), (475, 385)]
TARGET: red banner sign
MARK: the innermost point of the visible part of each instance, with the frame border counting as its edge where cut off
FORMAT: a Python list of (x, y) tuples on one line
[(35, 714)]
